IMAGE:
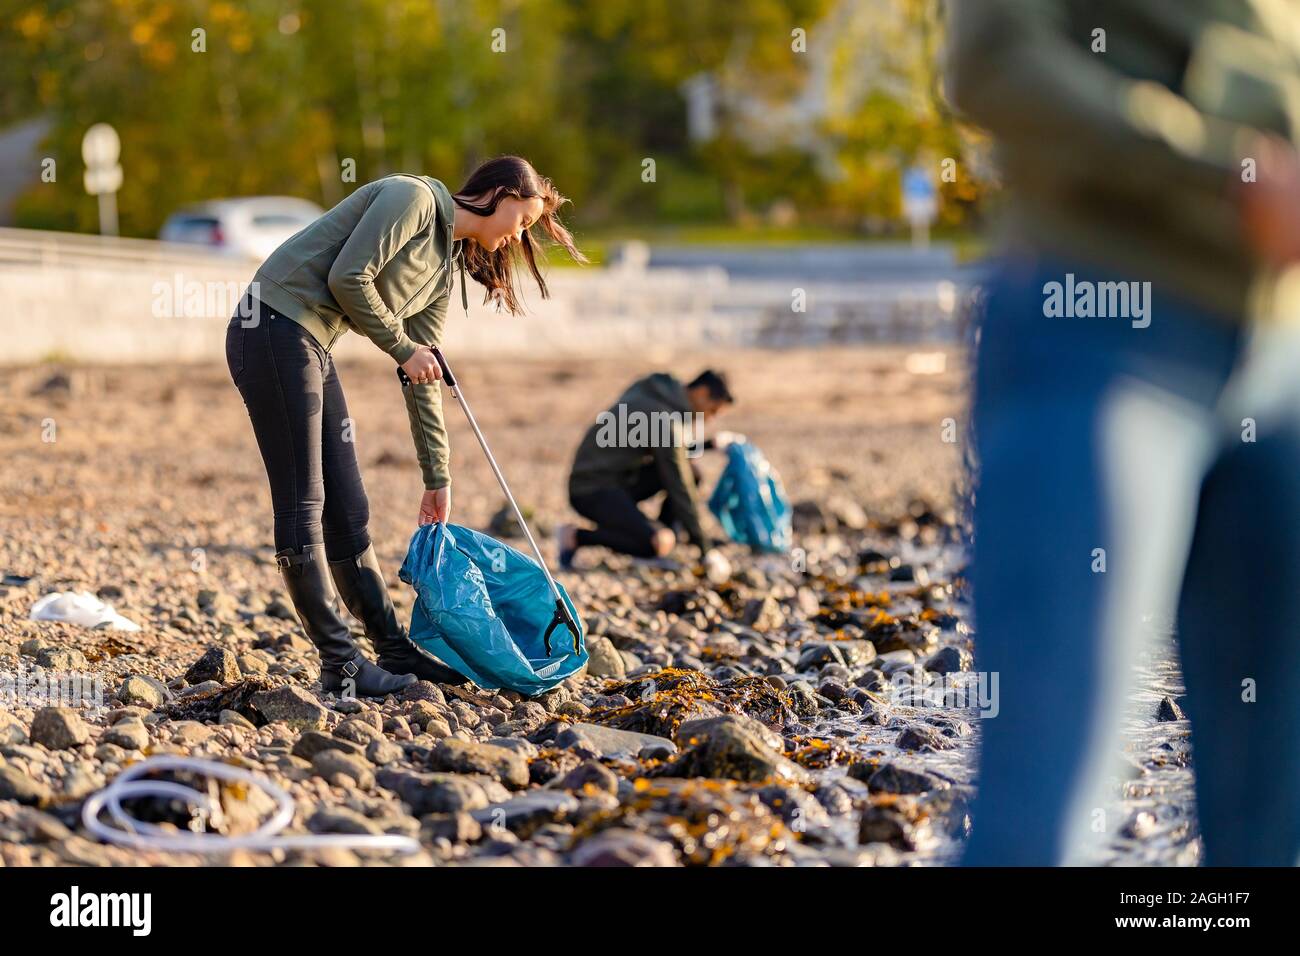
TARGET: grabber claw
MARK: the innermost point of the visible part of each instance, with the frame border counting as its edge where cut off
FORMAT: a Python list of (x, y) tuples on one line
[(562, 616)]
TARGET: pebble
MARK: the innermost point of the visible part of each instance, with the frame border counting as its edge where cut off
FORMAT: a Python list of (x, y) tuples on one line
[(142, 691), (129, 733), (59, 728)]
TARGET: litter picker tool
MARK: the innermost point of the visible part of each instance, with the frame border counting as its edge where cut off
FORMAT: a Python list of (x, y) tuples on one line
[(562, 614)]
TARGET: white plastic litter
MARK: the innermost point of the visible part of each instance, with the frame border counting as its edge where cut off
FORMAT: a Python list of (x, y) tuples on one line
[(148, 836), (80, 607)]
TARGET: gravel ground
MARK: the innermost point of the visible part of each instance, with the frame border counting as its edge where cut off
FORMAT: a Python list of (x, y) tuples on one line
[(776, 731)]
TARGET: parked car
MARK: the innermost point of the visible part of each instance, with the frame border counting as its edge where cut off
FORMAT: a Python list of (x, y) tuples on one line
[(252, 226)]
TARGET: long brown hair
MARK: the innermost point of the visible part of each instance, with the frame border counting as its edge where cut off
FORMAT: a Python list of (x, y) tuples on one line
[(512, 176)]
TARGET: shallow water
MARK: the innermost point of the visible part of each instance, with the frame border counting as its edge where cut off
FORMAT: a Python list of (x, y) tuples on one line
[(1154, 807)]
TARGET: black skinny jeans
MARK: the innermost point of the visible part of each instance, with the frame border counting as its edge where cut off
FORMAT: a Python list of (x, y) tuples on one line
[(620, 525), (300, 417)]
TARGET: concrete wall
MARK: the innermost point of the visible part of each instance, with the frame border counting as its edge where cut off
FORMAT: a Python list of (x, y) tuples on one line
[(111, 300)]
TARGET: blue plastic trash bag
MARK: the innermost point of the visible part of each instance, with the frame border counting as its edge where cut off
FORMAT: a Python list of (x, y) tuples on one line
[(482, 607), (750, 503)]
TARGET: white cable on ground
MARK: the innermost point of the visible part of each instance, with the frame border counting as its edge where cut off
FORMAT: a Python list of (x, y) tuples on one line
[(148, 836)]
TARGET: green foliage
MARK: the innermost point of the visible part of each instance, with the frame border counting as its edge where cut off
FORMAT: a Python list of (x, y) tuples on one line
[(286, 91)]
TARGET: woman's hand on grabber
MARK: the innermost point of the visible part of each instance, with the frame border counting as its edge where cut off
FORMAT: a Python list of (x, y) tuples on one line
[(436, 505), (422, 368)]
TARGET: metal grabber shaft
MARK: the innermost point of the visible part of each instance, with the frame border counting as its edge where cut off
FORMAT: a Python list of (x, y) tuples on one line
[(562, 614)]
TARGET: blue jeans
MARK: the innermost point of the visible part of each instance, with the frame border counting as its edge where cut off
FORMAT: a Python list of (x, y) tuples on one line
[(1114, 483)]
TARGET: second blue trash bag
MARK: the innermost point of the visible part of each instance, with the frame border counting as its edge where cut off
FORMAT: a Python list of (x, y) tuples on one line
[(482, 607), (750, 503)]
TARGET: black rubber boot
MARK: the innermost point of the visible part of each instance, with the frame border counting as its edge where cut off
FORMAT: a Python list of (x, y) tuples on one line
[(343, 669), (360, 583)]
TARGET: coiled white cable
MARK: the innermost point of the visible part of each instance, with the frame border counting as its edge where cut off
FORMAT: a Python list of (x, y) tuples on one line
[(142, 835)]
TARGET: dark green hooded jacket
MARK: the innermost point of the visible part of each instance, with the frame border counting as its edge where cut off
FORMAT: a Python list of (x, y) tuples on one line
[(379, 263), (652, 423)]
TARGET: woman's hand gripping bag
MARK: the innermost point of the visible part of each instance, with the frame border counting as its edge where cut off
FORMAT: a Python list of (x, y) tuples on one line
[(483, 608), (750, 503)]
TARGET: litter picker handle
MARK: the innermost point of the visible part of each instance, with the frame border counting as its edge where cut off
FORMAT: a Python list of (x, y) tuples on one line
[(446, 369), (442, 364)]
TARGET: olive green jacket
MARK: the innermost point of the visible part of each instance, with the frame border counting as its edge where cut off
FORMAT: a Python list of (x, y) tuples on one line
[(379, 263), (1128, 157), (660, 429)]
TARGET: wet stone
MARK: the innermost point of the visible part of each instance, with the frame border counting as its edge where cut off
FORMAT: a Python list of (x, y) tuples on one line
[(920, 737)]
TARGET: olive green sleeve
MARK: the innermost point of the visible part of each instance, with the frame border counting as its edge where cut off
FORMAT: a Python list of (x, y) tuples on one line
[(399, 209), (424, 402), (677, 477), (1014, 69)]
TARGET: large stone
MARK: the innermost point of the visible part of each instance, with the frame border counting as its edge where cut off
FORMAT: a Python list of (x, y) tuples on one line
[(22, 788), (59, 728), (382, 752), (463, 756), (764, 614), (218, 664), (341, 820), (692, 731), (12, 730), (455, 827), (1169, 710), (62, 659), (949, 660), (920, 737), (358, 730), (335, 764), (434, 792), (588, 776), (884, 824), (734, 750), (605, 659), (891, 778), (292, 705), (610, 742), (141, 692), (798, 808), (620, 847), (313, 742), (523, 814)]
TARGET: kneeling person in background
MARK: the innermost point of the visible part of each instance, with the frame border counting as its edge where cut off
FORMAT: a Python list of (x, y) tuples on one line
[(639, 447)]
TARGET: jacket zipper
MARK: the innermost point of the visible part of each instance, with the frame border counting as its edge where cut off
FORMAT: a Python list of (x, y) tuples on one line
[(437, 275)]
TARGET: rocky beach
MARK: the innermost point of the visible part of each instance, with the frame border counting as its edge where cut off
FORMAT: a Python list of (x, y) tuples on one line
[(820, 708)]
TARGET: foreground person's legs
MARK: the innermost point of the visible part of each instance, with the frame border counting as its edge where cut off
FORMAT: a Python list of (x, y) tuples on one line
[(343, 669), (360, 582), (280, 379), (1084, 467), (353, 564), (1240, 644)]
